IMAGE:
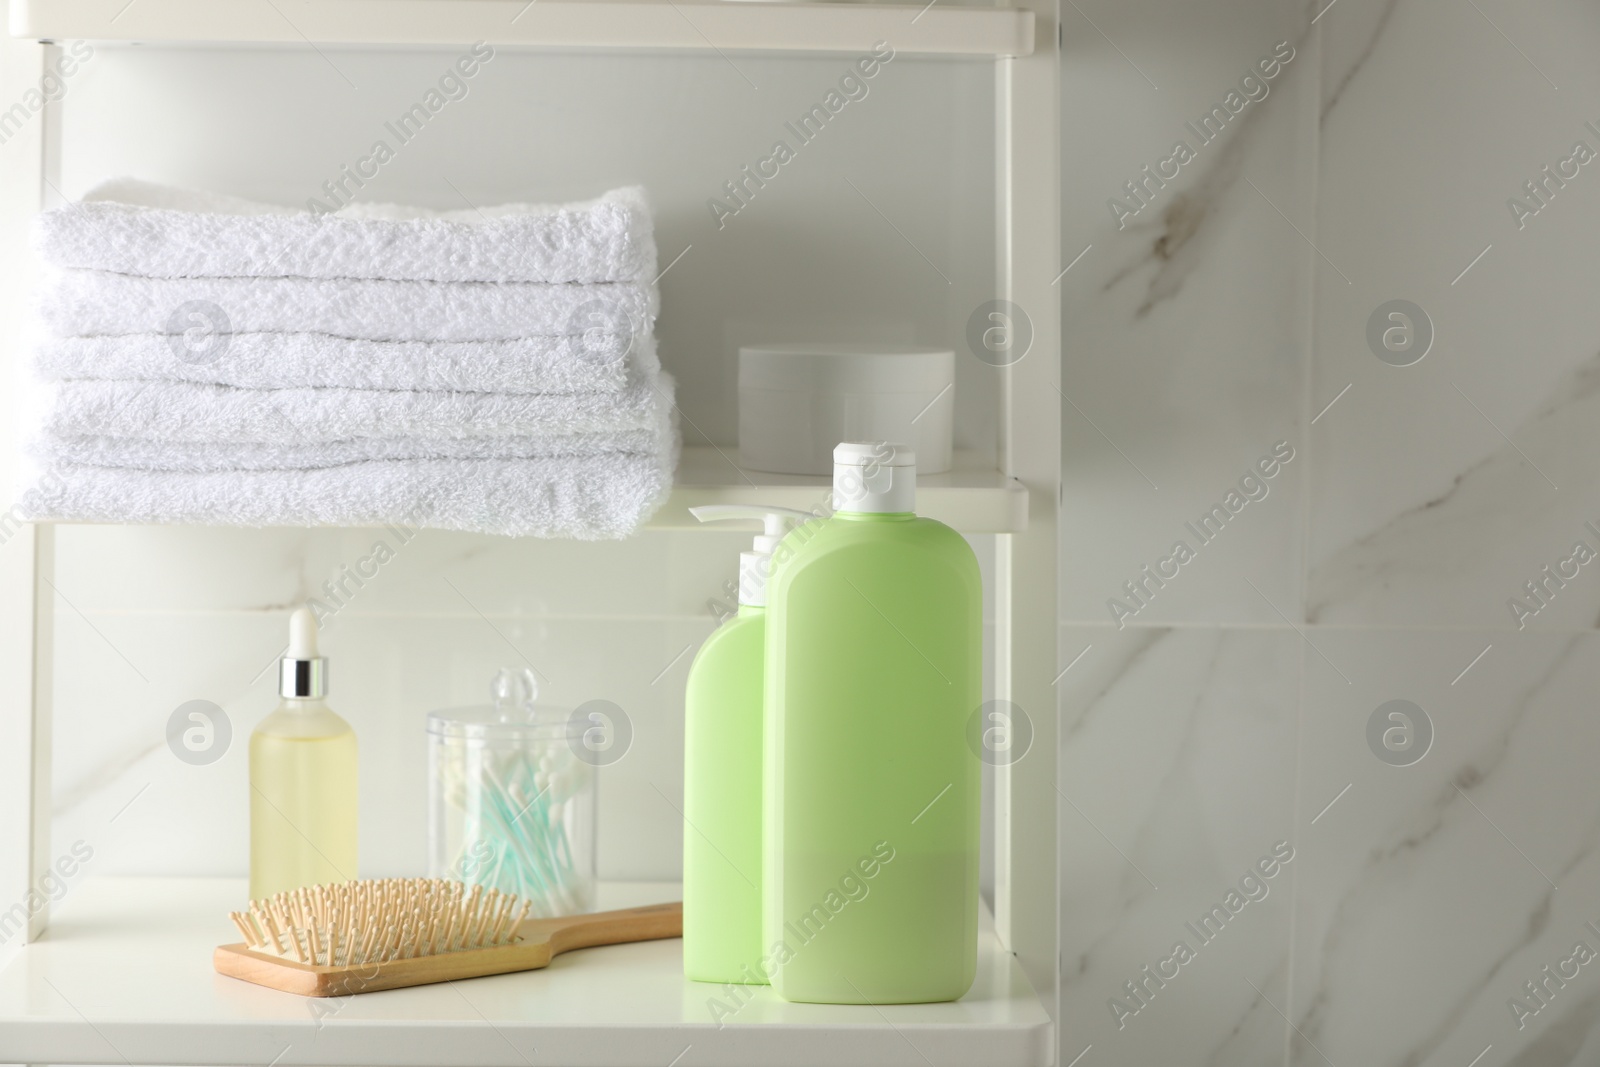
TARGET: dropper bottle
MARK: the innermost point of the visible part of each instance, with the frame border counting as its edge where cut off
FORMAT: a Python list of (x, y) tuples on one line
[(302, 778)]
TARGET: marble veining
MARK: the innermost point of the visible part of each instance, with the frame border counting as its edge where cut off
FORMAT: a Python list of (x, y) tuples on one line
[(1175, 245), (1332, 97), (1167, 722), (1428, 843), (1460, 537)]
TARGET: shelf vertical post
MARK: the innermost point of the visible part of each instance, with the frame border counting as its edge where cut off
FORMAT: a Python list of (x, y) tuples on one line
[(1028, 257), (26, 551), (24, 733)]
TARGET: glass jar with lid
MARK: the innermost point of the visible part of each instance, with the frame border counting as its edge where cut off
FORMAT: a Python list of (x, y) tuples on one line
[(511, 804)]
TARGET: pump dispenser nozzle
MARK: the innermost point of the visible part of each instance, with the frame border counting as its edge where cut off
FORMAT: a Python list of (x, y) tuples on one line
[(754, 564)]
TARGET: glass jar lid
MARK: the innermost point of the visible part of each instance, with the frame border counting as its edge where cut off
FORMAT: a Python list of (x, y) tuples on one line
[(513, 717)]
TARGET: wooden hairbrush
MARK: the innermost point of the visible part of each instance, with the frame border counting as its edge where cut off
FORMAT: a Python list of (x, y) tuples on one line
[(357, 937)]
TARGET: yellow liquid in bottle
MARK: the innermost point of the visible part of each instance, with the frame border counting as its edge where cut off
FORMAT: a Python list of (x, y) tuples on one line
[(302, 799)]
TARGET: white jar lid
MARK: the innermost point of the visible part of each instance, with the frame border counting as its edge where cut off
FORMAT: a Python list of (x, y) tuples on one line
[(846, 368)]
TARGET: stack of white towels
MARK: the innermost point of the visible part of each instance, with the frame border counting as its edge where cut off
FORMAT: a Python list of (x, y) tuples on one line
[(205, 359)]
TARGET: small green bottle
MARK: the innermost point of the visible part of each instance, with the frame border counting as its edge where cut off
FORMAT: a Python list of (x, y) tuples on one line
[(874, 666), (722, 772)]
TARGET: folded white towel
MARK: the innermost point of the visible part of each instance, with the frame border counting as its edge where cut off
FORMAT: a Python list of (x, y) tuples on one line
[(136, 227), (588, 498), (87, 303), (128, 453), (178, 412), (598, 362)]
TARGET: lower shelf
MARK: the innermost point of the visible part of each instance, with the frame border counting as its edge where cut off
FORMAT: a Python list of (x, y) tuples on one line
[(124, 976)]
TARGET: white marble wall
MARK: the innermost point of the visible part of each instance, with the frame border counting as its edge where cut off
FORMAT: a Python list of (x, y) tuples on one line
[(1231, 710)]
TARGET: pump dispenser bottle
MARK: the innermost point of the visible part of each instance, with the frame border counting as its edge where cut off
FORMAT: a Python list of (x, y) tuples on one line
[(722, 772), (302, 778), (874, 668)]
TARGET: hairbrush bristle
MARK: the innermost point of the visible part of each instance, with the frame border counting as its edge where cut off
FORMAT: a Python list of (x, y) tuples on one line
[(353, 923)]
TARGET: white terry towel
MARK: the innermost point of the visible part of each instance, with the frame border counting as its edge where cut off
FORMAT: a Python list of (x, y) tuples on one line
[(588, 498), (594, 362), (136, 227), (184, 412), (86, 303)]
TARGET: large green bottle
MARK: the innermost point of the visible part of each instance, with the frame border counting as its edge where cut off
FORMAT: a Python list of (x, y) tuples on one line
[(874, 666), (722, 772)]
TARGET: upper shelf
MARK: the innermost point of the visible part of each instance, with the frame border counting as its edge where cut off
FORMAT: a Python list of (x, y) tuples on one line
[(972, 497), (124, 976), (696, 25)]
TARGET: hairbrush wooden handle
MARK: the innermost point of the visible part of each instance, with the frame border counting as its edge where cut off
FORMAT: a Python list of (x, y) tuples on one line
[(538, 941), (649, 923)]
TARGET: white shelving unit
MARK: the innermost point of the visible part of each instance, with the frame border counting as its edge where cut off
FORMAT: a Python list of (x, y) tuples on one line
[(125, 973)]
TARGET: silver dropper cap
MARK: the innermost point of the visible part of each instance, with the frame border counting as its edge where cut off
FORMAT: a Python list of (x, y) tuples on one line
[(302, 674)]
